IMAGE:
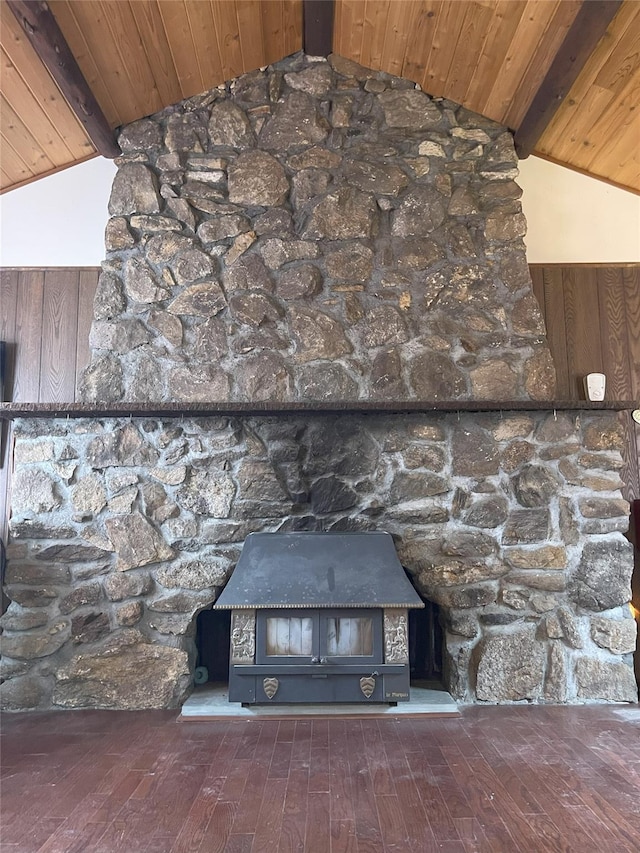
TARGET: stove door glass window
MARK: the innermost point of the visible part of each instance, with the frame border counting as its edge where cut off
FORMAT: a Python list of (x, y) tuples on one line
[(289, 636), (349, 636)]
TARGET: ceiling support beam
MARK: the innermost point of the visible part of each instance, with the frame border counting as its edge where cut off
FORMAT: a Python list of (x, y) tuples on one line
[(318, 27), (588, 28), (44, 34)]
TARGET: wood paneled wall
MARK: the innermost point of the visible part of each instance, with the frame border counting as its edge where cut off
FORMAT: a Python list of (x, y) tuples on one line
[(45, 319), (593, 324)]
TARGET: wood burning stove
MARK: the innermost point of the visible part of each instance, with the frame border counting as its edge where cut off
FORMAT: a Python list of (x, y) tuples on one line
[(319, 617)]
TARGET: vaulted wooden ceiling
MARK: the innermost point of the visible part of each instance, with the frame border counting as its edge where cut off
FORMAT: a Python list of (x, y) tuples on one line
[(493, 56)]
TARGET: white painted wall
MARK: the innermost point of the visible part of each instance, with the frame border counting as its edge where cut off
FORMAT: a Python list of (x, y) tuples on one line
[(575, 219), (66, 215), (572, 218)]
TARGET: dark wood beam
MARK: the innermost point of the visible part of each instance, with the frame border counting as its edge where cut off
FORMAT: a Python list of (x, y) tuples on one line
[(318, 27), (588, 28), (43, 32)]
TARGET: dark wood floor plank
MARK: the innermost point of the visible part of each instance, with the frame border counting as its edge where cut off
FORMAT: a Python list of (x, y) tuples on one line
[(216, 839), (364, 803), (494, 826), (246, 819), (377, 758), (292, 830), (319, 770), (270, 814), (340, 787), (194, 832), (392, 825), (343, 836), (494, 780), (76, 839), (317, 836), (237, 844), (31, 836), (237, 773), (280, 760), (302, 741), (172, 799)]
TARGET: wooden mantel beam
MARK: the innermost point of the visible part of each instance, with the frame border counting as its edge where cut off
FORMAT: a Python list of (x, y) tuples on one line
[(589, 26), (43, 32), (318, 27)]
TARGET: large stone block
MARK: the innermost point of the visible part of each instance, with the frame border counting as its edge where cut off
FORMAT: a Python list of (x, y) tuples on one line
[(136, 542), (80, 596), (264, 376), (25, 646), (134, 190), (22, 693), (122, 446), (119, 586), (257, 179), (88, 495), (296, 122), (17, 618), (409, 109), (229, 125), (602, 579), (602, 679), (534, 486), (435, 377), (208, 493), (475, 453), (510, 668), (36, 573), (422, 211), (194, 574), (198, 384), (616, 635), (326, 381), (344, 214), (126, 674), (526, 526), (101, 382), (318, 334), (33, 490)]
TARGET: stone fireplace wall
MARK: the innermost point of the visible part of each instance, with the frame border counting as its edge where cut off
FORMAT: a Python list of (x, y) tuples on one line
[(123, 532), (316, 231)]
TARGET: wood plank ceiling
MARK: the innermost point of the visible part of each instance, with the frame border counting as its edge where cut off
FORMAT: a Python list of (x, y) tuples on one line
[(139, 56)]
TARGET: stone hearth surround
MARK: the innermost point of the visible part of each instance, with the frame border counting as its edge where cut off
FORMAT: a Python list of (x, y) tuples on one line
[(317, 231)]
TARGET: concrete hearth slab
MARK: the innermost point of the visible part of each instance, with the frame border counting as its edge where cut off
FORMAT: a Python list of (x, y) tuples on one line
[(212, 702)]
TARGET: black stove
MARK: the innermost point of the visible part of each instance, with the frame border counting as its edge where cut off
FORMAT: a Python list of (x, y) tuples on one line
[(319, 617)]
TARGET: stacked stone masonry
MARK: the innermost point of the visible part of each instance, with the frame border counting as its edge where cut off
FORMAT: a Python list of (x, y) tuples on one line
[(123, 532), (316, 231)]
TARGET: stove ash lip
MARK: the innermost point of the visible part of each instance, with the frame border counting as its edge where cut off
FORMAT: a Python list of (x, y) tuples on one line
[(312, 569)]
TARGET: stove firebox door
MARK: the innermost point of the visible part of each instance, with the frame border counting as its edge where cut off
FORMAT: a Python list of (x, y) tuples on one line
[(316, 655)]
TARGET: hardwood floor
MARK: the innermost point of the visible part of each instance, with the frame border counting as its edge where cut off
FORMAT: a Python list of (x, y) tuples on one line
[(494, 779)]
